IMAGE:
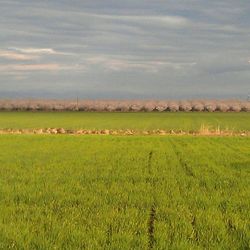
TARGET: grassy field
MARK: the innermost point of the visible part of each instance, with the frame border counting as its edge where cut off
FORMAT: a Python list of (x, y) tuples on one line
[(137, 121), (94, 192)]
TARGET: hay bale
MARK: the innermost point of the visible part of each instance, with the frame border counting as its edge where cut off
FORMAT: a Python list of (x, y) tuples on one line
[(106, 132), (162, 132), (61, 131), (129, 132), (70, 131), (80, 132), (38, 131), (53, 131)]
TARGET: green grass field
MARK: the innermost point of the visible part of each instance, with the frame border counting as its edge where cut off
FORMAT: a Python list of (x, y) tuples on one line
[(136, 121), (97, 192)]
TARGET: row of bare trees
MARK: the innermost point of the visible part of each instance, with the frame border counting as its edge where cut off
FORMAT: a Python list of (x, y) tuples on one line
[(126, 105)]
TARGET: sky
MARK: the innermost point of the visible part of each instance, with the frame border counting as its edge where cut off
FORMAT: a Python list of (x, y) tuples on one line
[(133, 49)]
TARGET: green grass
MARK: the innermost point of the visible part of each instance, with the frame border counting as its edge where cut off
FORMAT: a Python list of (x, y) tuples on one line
[(136, 121), (94, 192)]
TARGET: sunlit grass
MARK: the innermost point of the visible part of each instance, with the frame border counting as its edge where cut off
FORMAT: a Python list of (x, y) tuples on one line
[(93, 192), (136, 121)]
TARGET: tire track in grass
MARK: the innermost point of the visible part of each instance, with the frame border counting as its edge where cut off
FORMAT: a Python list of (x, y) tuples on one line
[(182, 161), (228, 181), (226, 164), (150, 162), (236, 234), (219, 153), (184, 214), (109, 235), (228, 145), (235, 230), (194, 233), (189, 173), (152, 213), (151, 227)]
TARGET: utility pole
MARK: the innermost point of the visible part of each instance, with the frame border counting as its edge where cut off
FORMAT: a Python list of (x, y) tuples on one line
[(77, 103)]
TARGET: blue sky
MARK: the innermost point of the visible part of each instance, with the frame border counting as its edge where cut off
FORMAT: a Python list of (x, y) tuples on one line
[(125, 49)]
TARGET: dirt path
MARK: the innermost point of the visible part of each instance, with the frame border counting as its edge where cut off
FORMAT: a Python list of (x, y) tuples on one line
[(125, 132)]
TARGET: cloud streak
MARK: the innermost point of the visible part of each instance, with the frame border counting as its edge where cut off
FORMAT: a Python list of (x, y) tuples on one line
[(173, 21), (139, 49), (39, 51), (154, 66), (16, 56), (30, 67), (27, 54)]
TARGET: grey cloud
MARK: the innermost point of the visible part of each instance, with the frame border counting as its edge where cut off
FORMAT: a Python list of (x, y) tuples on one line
[(139, 48)]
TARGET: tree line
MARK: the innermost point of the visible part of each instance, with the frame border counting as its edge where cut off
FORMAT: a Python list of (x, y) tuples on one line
[(126, 105)]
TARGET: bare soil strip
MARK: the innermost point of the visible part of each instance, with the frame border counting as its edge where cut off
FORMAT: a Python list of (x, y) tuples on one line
[(127, 132)]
